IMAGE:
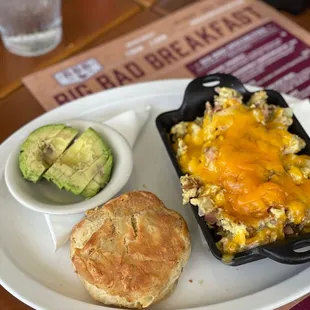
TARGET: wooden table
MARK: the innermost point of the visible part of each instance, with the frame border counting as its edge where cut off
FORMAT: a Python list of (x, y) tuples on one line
[(86, 24)]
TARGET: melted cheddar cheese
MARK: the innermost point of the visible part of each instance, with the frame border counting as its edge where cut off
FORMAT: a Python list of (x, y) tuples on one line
[(247, 152)]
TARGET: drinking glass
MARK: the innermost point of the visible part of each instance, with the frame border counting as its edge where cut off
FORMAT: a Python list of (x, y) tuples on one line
[(30, 27)]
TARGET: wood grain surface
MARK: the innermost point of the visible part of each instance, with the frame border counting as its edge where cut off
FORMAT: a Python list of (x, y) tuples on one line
[(82, 24)]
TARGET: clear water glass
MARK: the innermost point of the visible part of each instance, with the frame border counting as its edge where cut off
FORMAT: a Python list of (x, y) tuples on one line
[(30, 27)]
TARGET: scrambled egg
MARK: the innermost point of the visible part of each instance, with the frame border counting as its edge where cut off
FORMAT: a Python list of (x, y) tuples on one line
[(242, 172)]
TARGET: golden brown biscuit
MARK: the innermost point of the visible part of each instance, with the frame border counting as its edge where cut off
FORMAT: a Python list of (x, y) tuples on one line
[(130, 252)]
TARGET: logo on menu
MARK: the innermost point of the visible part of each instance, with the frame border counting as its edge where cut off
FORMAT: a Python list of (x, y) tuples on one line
[(78, 73)]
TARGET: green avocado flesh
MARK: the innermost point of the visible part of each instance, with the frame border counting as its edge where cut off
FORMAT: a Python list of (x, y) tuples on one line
[(80, 165), (100, 180), (42, 148), (83, 167)]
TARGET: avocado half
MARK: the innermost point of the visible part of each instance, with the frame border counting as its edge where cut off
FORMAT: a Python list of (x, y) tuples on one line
[(42, 148), (84, 168)]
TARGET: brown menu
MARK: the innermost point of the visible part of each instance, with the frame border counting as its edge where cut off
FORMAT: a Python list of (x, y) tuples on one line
[(248, 39)]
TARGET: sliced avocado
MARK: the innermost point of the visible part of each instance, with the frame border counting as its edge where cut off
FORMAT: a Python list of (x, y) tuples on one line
[(32, 158), (70, 161), (100, 180), (78, 165), (79, 180), (91, 189), (59, 144)]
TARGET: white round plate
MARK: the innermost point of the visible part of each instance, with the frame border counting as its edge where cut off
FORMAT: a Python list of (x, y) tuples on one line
[(33, 273)]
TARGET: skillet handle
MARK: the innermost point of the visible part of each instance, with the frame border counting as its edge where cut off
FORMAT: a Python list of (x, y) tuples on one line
[(285, 253), (196, 92)]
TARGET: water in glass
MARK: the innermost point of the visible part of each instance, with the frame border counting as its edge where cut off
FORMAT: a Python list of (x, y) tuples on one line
[(30, 27)]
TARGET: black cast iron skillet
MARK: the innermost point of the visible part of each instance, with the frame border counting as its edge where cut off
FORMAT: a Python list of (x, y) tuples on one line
[(193, 105)]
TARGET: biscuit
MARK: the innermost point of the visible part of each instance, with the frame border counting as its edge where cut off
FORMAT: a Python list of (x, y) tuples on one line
[(131, 251)]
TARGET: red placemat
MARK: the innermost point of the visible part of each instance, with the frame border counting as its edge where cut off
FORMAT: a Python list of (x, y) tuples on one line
[(303, 305)]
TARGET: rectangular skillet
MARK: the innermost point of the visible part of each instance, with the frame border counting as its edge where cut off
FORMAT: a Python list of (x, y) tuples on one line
[(196, 94)]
